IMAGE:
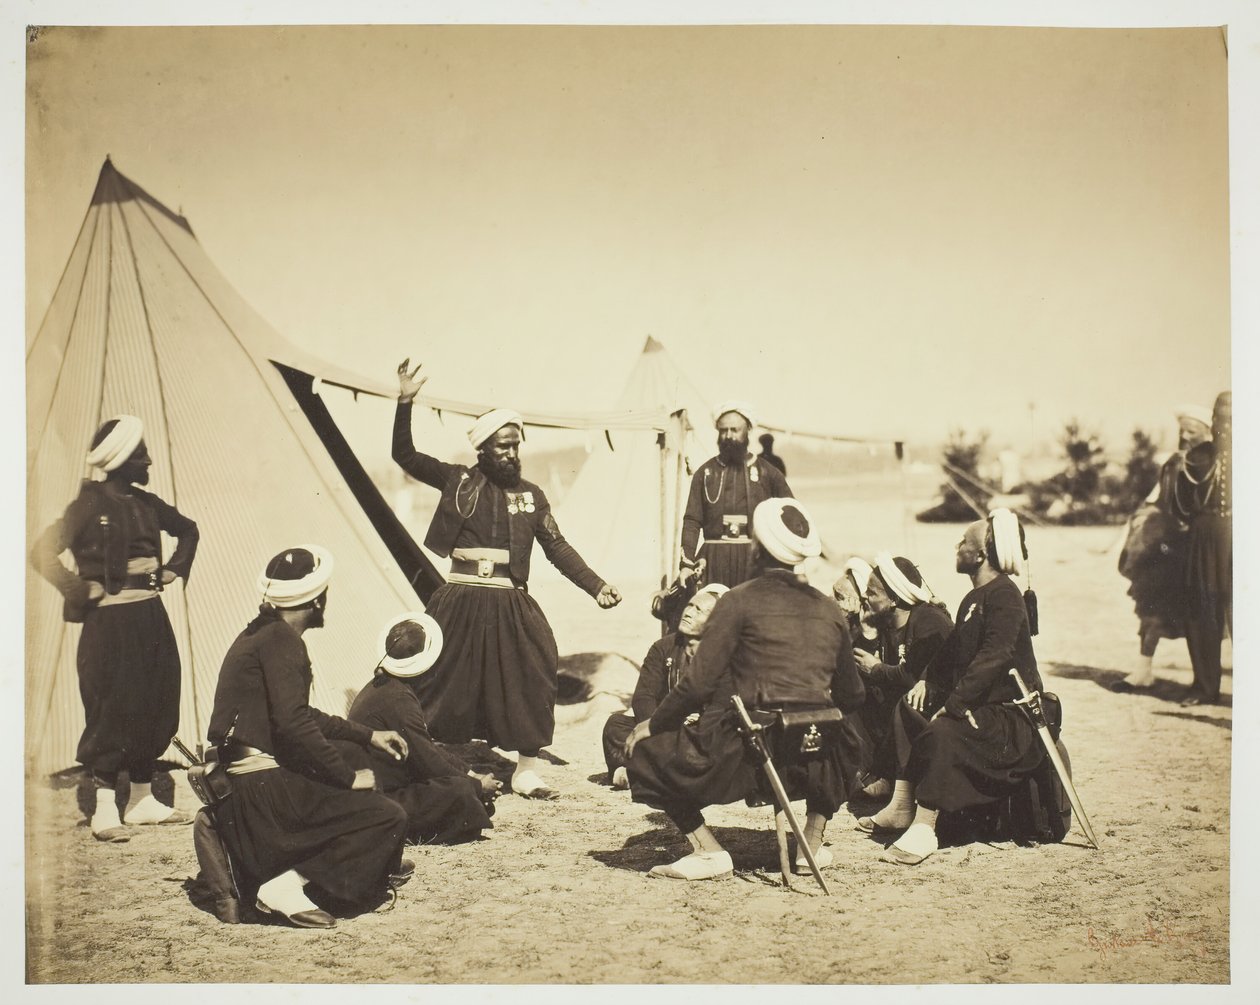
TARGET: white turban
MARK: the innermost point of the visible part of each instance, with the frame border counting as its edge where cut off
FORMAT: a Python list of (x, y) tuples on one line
[(899, 583), (1007, 548), (738, 407), (485, 426), (859, 572), (417, 663), (779, 541), (717, 589), (112, 452), (1196, 413), (284, 592)]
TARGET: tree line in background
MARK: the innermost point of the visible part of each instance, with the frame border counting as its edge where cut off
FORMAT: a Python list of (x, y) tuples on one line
[(1089, 489)]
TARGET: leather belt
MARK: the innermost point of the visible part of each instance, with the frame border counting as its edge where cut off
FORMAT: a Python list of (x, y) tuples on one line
[(137, 581), (729, 540), (482, 568)]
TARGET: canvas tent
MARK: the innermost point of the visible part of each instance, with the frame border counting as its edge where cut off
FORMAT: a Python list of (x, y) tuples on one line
[(142, 322), (613, 509)]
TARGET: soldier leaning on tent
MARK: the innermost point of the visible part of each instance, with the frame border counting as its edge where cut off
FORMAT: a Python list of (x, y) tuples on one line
[(128, 664)]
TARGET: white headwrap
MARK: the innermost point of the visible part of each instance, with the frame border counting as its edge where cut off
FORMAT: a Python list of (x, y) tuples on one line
[(739, 407), (112, 452), (717, 589), (418, 663), (1196, 413), (296, 592), (777, 539), (1004, 525), (859, 571), (485, 426), (899, 583)]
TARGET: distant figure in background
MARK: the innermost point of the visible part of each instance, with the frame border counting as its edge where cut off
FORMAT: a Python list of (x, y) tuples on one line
[(445, 802), (663, 666), (1203, 496), (499, 683), (724, 492), (129, 671), (1154, 555), (767, 452)]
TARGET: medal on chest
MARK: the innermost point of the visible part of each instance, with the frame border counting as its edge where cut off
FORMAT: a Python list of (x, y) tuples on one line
[(520, 502), (970, 611)]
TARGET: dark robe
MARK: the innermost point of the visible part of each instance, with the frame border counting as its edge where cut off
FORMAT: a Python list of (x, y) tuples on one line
[(1154, 561), (128, 664), (720, 506), (952, 763), (499, 682), (1204, 498), (442, 801), (663, 666), (301, 814), (778, 644), (909, 652)]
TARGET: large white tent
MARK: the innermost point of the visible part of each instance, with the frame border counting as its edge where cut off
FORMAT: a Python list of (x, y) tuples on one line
[(142, 322)]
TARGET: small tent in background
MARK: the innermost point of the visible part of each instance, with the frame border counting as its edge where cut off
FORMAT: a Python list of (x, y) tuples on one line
[(615, 509), (143, 323)]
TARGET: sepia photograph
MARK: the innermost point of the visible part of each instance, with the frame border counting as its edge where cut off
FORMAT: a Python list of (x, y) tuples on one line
[(600, 494)]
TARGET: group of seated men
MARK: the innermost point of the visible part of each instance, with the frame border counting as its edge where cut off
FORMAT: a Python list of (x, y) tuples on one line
[(929, 721)]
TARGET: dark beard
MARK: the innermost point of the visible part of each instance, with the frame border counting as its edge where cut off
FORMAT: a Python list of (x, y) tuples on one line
[(886, 618), (505, 474), (733, 451)]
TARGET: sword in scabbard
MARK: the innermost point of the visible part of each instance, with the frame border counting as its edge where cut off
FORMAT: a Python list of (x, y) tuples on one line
[(179, 745), (752, 733), (1031, 704)]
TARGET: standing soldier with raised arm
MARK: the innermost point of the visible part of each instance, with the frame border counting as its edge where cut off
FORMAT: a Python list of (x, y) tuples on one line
[(497, 679)]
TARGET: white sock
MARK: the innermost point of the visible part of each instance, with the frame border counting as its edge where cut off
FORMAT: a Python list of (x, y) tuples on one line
[(524, 763), (143, 806), (105, 815), (1142, 672), (815, 828), (920, 837), (900, 809), (285, 894)]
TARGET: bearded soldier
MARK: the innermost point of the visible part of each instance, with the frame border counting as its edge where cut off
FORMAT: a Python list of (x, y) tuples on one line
[(724, 492), (499, 682)]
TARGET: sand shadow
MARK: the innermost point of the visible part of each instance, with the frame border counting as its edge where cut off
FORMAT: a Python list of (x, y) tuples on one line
[(752, 850), (1164, 690), (1211, 720)]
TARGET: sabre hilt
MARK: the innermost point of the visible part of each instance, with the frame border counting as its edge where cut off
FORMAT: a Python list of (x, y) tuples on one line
[(179, 745), (1030, 702)]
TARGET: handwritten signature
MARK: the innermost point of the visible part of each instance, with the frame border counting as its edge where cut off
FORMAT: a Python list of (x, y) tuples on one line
[(1110, 944)]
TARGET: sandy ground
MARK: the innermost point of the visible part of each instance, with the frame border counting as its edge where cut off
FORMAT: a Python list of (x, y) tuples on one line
[(559, 893)]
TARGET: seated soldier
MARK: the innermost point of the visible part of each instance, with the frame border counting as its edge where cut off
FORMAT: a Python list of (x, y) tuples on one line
[(779, 644), (298, 812), (850, 593), (445, 801), (915, 627), (976, 744), (663, 667)]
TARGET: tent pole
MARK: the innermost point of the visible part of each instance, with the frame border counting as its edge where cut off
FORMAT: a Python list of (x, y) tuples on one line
[(662, 441), (680, 478)]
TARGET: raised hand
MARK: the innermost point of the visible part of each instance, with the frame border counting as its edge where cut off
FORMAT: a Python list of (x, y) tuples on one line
[(409, 381)]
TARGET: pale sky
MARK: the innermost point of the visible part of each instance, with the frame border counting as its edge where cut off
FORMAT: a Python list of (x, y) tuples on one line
[(884, 231)]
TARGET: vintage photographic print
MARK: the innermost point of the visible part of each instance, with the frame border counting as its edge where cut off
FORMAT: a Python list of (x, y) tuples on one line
[(632, 503)]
